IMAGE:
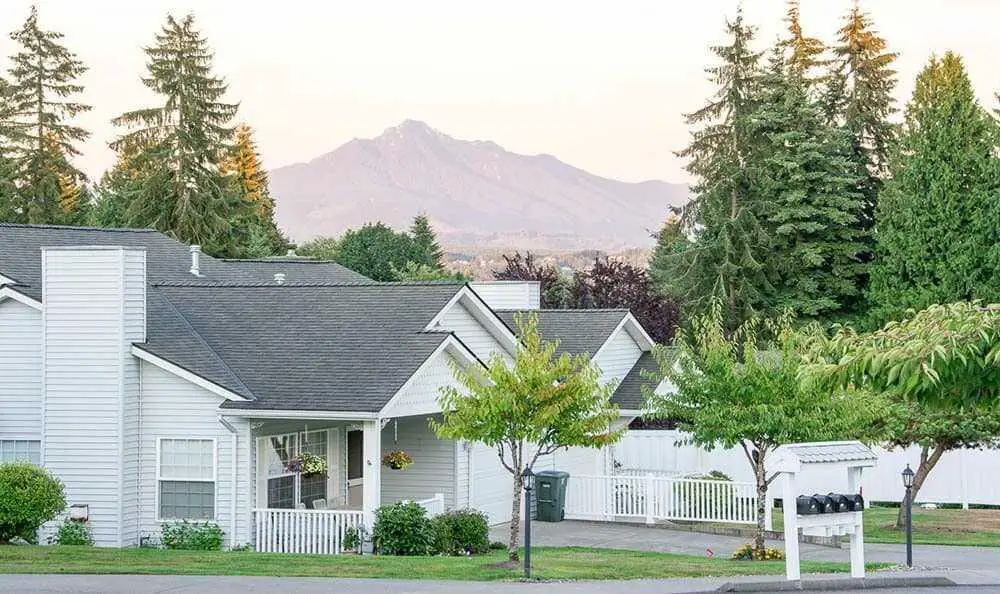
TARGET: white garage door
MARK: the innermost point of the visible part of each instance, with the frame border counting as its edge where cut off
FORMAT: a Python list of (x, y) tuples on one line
[(492, 486)]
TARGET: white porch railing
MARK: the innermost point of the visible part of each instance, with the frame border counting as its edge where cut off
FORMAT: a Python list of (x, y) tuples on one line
[(434, 505), (652, 498), (304, 531)]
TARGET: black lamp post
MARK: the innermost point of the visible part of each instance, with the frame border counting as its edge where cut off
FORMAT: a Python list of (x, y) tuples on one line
[(529, 479), (908, 483)]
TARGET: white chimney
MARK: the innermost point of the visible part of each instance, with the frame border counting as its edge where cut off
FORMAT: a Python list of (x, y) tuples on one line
[(291, 254), (195, 260), (279, 278)]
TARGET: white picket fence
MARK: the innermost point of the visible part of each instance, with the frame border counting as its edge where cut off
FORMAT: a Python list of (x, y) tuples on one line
[(304, 531), (961, 477), (650, 498)]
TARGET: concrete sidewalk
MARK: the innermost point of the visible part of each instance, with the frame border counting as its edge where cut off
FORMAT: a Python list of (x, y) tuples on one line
[(611, 535)]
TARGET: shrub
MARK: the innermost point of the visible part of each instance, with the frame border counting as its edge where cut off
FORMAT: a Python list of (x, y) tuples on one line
[(461, 532), (75, 533), (352, 540), (746, 553), (192, 536), (402, 529), (29, 497), (496, 545)]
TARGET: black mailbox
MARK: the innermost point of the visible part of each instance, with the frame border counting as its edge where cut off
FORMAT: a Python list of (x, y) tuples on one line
[(826, 505), (840, 503), (806, 505), (856, 502)]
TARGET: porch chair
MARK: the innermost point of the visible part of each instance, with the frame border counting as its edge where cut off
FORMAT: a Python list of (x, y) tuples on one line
[(319, 503)]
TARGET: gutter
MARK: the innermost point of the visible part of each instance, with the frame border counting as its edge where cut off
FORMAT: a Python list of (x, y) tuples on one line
[(234, 494)]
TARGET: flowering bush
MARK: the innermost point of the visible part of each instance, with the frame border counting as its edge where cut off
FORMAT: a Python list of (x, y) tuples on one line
[(746, 553), (397, 460)]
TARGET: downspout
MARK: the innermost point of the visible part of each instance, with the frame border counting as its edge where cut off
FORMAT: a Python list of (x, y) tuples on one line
[(234, 493)]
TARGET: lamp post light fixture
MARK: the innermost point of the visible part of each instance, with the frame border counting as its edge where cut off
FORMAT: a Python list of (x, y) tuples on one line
[(908, 483), (529, 479)]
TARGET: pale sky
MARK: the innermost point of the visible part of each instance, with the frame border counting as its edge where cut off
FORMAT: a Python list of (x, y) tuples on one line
[(601, 85)]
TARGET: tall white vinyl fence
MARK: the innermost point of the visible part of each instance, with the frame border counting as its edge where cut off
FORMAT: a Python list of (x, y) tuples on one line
[(650, 498), (961, 477), (306, 531)]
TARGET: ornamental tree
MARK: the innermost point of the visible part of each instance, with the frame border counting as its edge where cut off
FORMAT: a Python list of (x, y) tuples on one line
[(529, 408), (743, 390), (938, 367)]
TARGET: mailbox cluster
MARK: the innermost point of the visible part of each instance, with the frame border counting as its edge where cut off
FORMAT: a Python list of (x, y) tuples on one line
[(833, 503)]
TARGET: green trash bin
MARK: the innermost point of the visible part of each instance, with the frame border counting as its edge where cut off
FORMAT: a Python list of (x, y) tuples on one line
[(550, 495)]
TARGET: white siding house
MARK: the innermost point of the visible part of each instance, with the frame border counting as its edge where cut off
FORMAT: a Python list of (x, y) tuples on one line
[(160, 384)]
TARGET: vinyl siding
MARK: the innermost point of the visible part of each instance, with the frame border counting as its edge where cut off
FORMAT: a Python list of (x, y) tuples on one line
[(617, 356), (518, 295), (172, 407), (85, 358), (134, 332), (433, 469), (463, 451), (421, 395), (20, 370), (470, 331)]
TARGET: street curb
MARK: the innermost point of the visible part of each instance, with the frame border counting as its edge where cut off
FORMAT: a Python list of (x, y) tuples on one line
[(833, 584)]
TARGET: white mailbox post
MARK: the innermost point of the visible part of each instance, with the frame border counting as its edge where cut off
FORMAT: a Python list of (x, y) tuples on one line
[(791, 460)]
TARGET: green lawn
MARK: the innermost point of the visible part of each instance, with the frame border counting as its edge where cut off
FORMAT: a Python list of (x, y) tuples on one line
[(548, 563), (972, 527)]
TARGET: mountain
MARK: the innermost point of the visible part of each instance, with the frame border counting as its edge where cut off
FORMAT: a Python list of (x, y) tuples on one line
[(475, 193)]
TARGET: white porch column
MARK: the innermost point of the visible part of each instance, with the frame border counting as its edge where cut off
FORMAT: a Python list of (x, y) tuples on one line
[(372, 452), (790, 513)]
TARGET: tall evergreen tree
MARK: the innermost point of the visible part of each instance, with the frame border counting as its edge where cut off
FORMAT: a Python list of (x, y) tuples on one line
[(11, 210), (804, 52), (254, 231), (724, 261), (938, 239), (426, 251), (177, 186), (808, 185), (858, 97), (44, 77)]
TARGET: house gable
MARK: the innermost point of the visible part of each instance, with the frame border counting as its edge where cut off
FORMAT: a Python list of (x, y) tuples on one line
[(476, 325), (419, 395), (20, 370)]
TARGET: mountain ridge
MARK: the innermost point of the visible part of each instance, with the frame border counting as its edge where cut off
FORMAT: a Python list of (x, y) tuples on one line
[(474, 192)]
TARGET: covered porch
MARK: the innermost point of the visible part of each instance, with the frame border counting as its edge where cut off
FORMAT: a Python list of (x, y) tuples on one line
[(315, 479)]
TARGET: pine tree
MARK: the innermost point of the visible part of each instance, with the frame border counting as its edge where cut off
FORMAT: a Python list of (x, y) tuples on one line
[(858, 96), (11, 210), (808, 184), (43, 80), (725, 259), (804, 53), (426, 250), (254, 231), (670, 243), (176, 185), (937, 234)]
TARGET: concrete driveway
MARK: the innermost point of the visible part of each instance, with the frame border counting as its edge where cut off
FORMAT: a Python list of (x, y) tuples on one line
[(637, 537)]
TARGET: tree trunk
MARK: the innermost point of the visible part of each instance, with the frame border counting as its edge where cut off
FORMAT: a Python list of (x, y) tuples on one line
[(515, 518), (760, 474), (927, 464)]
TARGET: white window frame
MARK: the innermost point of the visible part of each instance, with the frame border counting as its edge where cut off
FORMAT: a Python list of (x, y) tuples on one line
[(26, 438), (215, 477)]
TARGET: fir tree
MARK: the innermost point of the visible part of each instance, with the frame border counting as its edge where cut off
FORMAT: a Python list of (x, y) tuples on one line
[(176, 185), (426, 250), (804, 53), (937, 236), (724, 261), (11, 210), (858, 97), (44, 77), (254, 231), (671, 241), (808, 184)]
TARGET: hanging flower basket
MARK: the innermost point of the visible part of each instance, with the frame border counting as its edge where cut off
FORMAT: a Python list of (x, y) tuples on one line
[(307, 464), (397, 460)]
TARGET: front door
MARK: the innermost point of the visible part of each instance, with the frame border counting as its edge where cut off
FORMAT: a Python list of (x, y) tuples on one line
[(355, 469)]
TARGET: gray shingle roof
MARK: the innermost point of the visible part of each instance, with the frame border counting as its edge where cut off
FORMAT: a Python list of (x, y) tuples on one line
[(167, 260), (331, 348), (629, 394), (578, 330)]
